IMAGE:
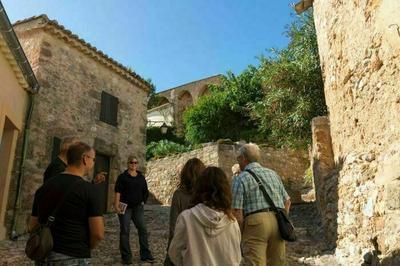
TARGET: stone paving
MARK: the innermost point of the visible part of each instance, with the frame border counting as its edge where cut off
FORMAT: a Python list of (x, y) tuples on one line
[(310, 249)]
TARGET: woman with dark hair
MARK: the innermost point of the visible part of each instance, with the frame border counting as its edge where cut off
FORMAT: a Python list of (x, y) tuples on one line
[(182, 196), (208, 233)]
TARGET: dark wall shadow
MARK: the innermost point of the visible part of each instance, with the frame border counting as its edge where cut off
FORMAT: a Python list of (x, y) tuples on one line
[(326, 187), (153, 200), (392, 260)]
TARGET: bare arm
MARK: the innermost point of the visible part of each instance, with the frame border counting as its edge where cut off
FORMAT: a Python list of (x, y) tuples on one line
[(239, 217), (287, 205), (96, 228), (33, 222), (117, 197)]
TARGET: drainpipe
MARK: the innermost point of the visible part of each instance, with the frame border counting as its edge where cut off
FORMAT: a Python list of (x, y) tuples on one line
[(14, 45)]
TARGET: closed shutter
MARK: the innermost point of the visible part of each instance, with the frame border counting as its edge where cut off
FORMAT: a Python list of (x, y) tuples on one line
[(109, 109)]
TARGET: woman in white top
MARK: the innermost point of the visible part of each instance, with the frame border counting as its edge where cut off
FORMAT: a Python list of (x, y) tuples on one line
[(208, 233)]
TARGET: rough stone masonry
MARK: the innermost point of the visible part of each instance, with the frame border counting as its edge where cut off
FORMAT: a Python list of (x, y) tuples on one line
[(359, 47)]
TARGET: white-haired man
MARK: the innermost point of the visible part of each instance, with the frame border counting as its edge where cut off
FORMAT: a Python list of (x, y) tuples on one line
[(261, 240)]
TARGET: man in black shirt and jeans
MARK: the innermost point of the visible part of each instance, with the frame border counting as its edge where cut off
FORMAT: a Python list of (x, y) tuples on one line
[(78, 226), (131, 189)]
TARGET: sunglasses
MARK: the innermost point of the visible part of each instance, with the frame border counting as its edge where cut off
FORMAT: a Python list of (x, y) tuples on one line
[(133, 162)]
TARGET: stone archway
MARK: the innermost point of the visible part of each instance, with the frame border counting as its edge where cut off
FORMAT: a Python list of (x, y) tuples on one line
[(206, 91), (185, 100)]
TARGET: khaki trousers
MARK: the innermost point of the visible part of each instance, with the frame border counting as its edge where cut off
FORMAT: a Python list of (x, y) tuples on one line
[(261, 241)]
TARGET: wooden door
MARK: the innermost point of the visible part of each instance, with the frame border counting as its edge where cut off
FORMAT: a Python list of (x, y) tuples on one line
[(102, 164)]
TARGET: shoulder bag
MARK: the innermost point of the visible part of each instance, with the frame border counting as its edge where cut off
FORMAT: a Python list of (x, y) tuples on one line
[(286, 227), (40, 241)]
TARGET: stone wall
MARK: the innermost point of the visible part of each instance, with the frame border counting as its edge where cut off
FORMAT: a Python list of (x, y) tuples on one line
[(163, 174), (69, 103), (359, 46)]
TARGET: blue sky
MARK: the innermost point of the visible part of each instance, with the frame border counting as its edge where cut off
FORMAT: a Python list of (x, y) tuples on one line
[(171, 41)]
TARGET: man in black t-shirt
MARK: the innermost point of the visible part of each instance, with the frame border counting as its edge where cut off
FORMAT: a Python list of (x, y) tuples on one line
[(131, 189), (59, 164), (79, 224)]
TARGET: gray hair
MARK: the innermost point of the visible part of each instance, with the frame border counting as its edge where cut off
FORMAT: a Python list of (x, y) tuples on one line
[(251, 152)]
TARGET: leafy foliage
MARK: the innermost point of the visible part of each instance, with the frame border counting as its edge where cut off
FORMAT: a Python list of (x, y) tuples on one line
[(273, 102), (293, 86), (164, 148), (153, 134), (225, 113)]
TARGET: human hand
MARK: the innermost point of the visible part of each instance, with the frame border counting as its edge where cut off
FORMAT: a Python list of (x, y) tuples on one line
[(100, 177), (117, 208)]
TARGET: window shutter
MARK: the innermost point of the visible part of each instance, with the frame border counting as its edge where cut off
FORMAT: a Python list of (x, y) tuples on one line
[(109, 109), (113, 111)]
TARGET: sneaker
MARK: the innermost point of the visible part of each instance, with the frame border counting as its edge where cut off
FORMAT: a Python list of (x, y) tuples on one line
[(149, 259)]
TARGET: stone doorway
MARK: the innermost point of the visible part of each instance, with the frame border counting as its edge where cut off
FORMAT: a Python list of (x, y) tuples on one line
[(103, 165)]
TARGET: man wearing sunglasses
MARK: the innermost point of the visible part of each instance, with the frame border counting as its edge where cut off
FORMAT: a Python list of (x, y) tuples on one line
[(131, 189)]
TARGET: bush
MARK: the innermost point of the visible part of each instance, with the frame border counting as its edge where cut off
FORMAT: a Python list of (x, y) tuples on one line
[(164, 148), (153, 134)]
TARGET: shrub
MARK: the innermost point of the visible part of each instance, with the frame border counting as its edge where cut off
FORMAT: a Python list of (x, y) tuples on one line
[(164, 148)]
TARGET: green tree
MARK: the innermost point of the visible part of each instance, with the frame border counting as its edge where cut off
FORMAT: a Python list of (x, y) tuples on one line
[(293, 87)]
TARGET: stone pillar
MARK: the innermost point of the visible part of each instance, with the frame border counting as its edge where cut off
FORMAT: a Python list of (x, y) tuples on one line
[(324, 175)]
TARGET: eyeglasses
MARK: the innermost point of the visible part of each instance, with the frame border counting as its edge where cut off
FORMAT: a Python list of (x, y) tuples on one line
[(133, 162), (94, 158)]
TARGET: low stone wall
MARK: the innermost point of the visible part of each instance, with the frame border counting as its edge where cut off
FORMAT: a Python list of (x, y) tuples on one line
[(163, 174)]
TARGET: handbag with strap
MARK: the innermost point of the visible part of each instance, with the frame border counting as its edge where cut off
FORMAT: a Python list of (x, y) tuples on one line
[(286, 227), (40, 241)]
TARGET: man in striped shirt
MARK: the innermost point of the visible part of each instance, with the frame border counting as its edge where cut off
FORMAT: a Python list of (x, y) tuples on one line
[(261, 240)]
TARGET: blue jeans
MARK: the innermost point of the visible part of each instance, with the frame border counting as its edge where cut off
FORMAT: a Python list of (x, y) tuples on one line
[(136, 214), (58, 259)]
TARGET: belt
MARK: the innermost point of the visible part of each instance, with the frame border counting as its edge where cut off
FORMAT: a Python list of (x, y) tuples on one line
[(261, 210)]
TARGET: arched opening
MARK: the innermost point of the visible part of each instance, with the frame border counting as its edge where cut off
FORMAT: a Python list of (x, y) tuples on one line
[(205, 91), (185, 100)]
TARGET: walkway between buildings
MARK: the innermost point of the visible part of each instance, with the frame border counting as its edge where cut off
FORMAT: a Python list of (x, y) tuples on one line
[(310, 249)]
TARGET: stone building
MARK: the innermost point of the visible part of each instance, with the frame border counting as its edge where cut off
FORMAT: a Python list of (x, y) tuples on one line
[(83, 93), (173, 102), (359, 47), (18, 84)]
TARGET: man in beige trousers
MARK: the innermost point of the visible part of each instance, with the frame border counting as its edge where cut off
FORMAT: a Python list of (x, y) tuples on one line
[(261, 240)]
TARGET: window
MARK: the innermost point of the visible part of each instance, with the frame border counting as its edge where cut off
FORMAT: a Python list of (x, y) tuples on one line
[(109, 109), (56, 148)]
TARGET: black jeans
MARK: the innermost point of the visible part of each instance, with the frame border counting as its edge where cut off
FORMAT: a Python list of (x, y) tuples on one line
[(136, 214)]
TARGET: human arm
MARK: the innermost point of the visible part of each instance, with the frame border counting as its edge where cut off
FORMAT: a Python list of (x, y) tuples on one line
[(175, 210), (117, 197), (287, 205), (238, 213), (145, 191), (99, 178), (286, 197), (237, 202), (33, 222), (96, 228), (117, 194), (178, 243)]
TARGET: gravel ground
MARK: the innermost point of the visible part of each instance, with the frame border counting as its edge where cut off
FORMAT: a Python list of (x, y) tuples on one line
[(310, 249)]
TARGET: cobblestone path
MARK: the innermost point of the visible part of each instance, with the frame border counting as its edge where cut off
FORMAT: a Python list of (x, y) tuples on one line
[(310, 249)]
